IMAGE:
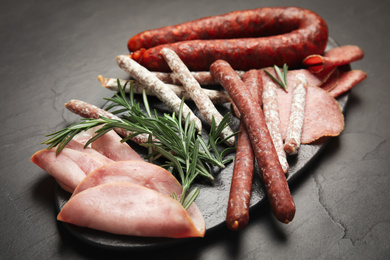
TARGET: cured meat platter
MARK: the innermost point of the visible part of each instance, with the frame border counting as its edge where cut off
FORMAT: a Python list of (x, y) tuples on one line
[(212, 200)]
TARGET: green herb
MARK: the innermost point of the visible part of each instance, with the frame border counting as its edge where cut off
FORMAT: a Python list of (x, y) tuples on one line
[(282, 81), (188, 154)]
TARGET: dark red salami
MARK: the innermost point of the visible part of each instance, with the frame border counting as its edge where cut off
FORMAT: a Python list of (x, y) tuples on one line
[(237, 216), (274, 179), (278, 35)]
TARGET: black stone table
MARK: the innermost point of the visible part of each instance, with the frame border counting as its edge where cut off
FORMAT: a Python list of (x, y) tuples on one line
[(53, 51)]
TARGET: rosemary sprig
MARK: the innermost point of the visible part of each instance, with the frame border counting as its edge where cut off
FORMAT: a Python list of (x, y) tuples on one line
[(188, 154), (282, 81)]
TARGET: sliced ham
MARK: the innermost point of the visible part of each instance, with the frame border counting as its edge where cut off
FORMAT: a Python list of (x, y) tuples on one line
[(129, 209), (138, 172), (69, 168), (78, 146), (141, 173), (110, 146)]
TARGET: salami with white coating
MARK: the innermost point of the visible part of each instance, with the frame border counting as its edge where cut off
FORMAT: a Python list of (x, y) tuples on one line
[(272, 118), (164, 93), (297, 115), (192, 87)]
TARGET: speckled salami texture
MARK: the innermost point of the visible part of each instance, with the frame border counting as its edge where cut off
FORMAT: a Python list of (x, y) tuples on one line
[(237, 215), (164, 93), (87, 110), (197, 94), (297, 115), (204, 78), (271, 115), (216, 96), (274, 179), (242, 38)]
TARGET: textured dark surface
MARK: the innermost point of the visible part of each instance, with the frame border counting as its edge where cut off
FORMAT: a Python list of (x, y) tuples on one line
[(52, 51)]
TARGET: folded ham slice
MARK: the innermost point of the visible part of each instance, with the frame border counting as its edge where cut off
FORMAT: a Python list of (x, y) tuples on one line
[(141, 173), (69, 168), (129, 209), (138, 172), (110, 146)]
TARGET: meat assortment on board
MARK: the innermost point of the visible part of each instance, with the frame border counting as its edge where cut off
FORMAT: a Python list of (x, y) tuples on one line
[(240, 54)]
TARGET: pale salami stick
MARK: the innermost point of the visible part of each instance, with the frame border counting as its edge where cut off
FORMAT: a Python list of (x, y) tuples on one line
[(275, 183), (204, 78), (87, 110), (297, 113), (217, 97), (237, 215), (271, 115), (164, 93), (203, 103)]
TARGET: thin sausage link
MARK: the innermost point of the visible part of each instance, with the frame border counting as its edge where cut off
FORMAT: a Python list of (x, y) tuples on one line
[(203, 103), (237, 216), (297, 113), (275, 182), (216, 96), (271, 115), (165, 94)]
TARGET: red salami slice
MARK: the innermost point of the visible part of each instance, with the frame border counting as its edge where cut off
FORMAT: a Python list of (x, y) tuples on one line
[(323, 115), (347, 80)]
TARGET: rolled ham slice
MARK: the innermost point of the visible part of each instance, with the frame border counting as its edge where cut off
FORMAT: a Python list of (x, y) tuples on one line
[(129, 209)]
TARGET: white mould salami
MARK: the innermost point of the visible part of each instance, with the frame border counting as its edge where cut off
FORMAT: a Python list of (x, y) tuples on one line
[(150, 81), (271, 115), (203, 77), (203, 103), (87, 110), (297, 114), (217, 97)]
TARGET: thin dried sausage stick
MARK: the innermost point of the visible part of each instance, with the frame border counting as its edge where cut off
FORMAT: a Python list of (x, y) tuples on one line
[(87, 110), (237, 215), (271, 115), (297, 113), (204, 78), (217, 97), (274, 179), (202, 102), (278, 35), (165, 94)]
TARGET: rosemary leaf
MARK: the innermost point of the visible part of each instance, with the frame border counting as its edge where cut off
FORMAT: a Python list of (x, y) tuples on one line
[(188, 154)]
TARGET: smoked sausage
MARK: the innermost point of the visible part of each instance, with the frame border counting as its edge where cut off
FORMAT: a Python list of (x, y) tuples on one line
[(237, 215), (274, 180), (246, 39)]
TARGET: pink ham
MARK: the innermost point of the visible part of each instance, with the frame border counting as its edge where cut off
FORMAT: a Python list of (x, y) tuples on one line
[(141, 173), (78, 146), (110, 146), (129, 209), (69, 168)]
